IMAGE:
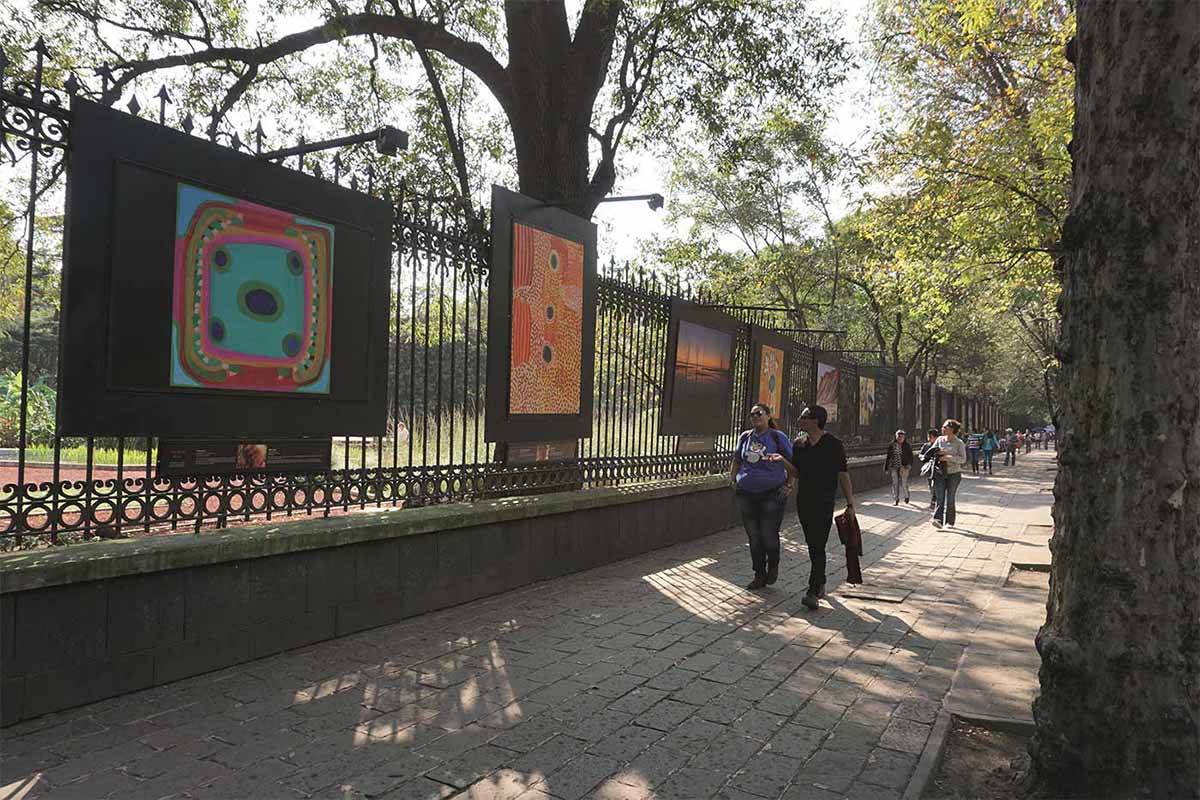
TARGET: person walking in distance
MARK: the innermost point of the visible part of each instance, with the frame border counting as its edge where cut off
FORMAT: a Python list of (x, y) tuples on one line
[(762, 479), (897, 464), (990, 446), (1010, 447), (931, 436), (974, 449), (819, 461), (952, 454)]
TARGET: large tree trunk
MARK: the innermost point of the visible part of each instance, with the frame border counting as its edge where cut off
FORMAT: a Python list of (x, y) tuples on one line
[(559, 80), (1119, 712)]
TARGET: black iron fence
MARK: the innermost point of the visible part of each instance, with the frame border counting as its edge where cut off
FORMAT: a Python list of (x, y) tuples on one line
[(55, 490)]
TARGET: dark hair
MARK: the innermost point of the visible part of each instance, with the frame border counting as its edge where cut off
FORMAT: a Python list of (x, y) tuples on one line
[(932, 432), (767, 410), (818, 413)]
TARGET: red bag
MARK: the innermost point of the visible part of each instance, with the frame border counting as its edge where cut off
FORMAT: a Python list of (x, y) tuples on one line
[(851, 536)]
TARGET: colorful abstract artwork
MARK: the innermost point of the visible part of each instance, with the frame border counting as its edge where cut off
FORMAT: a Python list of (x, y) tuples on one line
[(252, 296), (770, 377), (703, 378), (547, 323), (866, 400), (827, 389)]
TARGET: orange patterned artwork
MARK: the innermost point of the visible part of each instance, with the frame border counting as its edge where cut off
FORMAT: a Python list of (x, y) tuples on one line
[(770, 377), (547, 323)]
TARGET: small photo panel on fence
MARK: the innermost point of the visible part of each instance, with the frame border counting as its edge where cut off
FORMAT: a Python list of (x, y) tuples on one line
[(698, 379)]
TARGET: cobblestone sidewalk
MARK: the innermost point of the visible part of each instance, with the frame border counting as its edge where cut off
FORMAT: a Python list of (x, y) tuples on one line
[(654, 677)]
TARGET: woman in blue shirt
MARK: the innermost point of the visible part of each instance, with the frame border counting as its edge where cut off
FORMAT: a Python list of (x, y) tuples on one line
[(990, 446), (761, 480)]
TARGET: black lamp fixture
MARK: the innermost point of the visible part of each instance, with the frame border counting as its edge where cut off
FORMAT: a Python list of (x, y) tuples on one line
[(654, 200), (388, 141)]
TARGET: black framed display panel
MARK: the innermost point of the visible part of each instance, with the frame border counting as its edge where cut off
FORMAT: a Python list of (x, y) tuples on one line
[(517, 418), (837, 421), (119, 356), (702, 405), (760, 336)]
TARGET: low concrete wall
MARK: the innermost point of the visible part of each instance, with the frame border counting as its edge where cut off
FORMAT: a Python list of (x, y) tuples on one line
[(96, 620), (92, 621)]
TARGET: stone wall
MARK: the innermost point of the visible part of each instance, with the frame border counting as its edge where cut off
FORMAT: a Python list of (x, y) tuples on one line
[(91, 621)]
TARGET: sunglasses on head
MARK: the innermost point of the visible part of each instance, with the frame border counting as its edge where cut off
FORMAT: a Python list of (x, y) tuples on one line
[(756, 413)]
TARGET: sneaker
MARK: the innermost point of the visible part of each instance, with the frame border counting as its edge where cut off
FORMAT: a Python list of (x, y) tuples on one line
[(895, 502), (906, 500), (937, 523), (772, 574), (821, 593), (809, 601), (759, 582)]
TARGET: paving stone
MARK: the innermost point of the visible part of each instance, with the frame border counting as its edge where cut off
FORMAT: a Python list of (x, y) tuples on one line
[(625, 743), (767, 774), (256, 780), (725, 709), (701, 662), (796, 741), (822, 716), (918, 710), (869, 791), (728, 752), (527, 735), (419, 789), (472, 765), (638, 700), (905, 735), (103, 784), (665, 716), (757, 724), (690, 783), (580, 776), (549, 755), (831, 770), (888, 768), (671, 680), (694, 735), (653, 765), (615, 789)]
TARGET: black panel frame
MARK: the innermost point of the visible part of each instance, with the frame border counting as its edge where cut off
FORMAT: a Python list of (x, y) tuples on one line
[(93, 400), (676, 422), (509, 207), (758, 337)]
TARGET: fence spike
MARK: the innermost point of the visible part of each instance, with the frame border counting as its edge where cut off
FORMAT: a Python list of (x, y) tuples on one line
[(236, 141), (353, 183), (164, 97), (317, 171), (40, 48), (72, 84), (188, 123), (258, 137), (300, 157), (105, 73), (337, 167), (134, 106), (212, 126), (3, 64), (370, 178)]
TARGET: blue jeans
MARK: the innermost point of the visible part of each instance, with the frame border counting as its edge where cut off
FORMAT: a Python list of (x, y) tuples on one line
[(974, 456), (945, 487), (762, 514), (987, 459)]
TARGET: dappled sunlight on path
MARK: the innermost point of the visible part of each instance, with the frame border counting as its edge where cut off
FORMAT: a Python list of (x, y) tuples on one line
[(658, 676)]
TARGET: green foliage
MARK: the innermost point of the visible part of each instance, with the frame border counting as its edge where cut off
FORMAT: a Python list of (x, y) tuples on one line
[(40, 404)]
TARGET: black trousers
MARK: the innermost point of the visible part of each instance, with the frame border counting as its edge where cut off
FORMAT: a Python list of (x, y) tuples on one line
[(816, 522)]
